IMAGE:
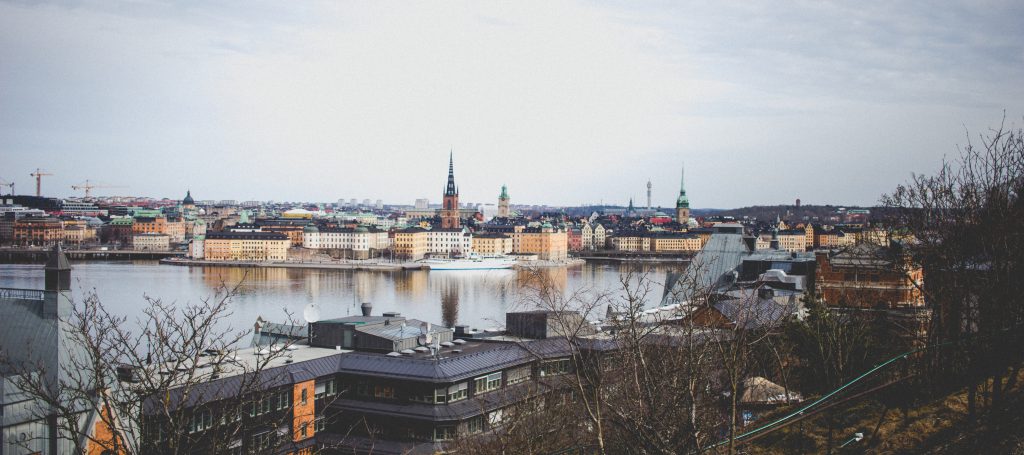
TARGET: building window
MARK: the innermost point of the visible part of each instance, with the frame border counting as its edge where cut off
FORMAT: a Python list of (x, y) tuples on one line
[(521, 374), (283, 399), (305, 395), (261, 441), (444, 433), (383, 391), (554, 367), (487, 383), (325, 389), (458, 392), (475, 424), (200, 422), (303, 429)]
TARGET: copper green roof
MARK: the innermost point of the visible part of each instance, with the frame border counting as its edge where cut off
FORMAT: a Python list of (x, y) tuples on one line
[(682, 202)]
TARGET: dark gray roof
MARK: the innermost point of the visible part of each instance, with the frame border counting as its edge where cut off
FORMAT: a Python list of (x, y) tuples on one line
[(487, 357), (397, 330), (753, 312)]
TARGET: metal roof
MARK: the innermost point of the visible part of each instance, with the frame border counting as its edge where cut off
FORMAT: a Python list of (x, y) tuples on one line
[(710, 268)]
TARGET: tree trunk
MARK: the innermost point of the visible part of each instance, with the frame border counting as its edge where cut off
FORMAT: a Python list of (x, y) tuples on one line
[(972, 391)]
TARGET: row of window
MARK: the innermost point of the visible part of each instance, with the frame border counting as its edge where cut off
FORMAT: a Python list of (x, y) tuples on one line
[(460, 391), (275, 402)]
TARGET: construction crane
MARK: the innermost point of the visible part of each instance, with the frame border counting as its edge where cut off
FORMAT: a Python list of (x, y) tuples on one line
[(87, 186), (9, 185), (38, 174)]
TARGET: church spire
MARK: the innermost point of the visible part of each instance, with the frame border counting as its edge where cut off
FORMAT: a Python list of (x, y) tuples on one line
[(682, 201), (450, 190)]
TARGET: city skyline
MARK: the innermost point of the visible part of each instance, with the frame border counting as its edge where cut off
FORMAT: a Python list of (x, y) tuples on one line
[(565, 103)]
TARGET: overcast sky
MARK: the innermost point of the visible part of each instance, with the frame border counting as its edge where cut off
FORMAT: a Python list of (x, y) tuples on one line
[(567, 103)]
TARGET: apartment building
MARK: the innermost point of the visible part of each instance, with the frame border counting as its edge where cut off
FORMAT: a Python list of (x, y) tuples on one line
[(410, 243), (245, 246)]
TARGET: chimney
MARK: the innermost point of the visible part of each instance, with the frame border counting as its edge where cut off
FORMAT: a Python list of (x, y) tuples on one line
[(58, 271), (751, 242), (367, 308)]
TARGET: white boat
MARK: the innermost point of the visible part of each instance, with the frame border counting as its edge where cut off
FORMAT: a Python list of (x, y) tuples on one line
[(473, 262)]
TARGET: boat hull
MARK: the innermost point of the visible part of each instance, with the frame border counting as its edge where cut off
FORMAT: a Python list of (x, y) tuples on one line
[(470, 264)]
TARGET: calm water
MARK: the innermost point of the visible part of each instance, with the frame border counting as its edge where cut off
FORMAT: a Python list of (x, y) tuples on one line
[(475, 298)]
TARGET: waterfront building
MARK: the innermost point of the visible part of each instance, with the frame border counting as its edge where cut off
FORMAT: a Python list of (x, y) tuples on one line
[(411, 243), (631, 241), (149, 224), (118, 230), (245, 246), (682, 202), (492, 243), (503, 202), (672, 242), (292, 227), (75, 232), (9, 214), (546, 241), (353, 243), (450, 218), (575, 238), (151, 241), (593, 236), (38, 231), (449, 242)]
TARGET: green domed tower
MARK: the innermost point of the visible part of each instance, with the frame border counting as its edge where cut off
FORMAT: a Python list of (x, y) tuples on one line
[(682, 202)]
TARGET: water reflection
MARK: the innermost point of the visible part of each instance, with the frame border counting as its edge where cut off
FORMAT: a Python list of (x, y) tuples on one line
[(475, 298), (450, 307)]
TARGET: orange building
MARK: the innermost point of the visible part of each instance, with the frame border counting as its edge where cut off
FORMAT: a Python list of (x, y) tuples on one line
[(38, 231), (548, 243)]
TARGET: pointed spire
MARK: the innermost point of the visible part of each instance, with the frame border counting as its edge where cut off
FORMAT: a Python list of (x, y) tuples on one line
[(450, 190), (682, 201), (682, 179)]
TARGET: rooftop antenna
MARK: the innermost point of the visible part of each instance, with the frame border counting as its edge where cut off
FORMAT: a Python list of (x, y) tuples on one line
[(311, 313)]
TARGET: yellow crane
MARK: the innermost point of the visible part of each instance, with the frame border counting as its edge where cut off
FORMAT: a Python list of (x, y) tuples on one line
[(88, 186), (38, 174)]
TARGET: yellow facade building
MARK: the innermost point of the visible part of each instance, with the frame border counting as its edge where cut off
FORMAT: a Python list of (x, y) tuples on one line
[(548, 243), (410, 243), (246, 246), (631, 242), (492, 244), (677, 243)]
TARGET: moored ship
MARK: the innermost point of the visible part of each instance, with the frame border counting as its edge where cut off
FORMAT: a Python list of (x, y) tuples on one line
[(471, 263)]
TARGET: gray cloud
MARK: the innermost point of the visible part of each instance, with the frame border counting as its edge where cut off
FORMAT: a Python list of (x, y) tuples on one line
[(567, 103)]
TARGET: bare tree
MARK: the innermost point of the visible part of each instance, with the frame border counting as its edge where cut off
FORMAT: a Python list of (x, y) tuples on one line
[(964, 225), (169, 382)]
